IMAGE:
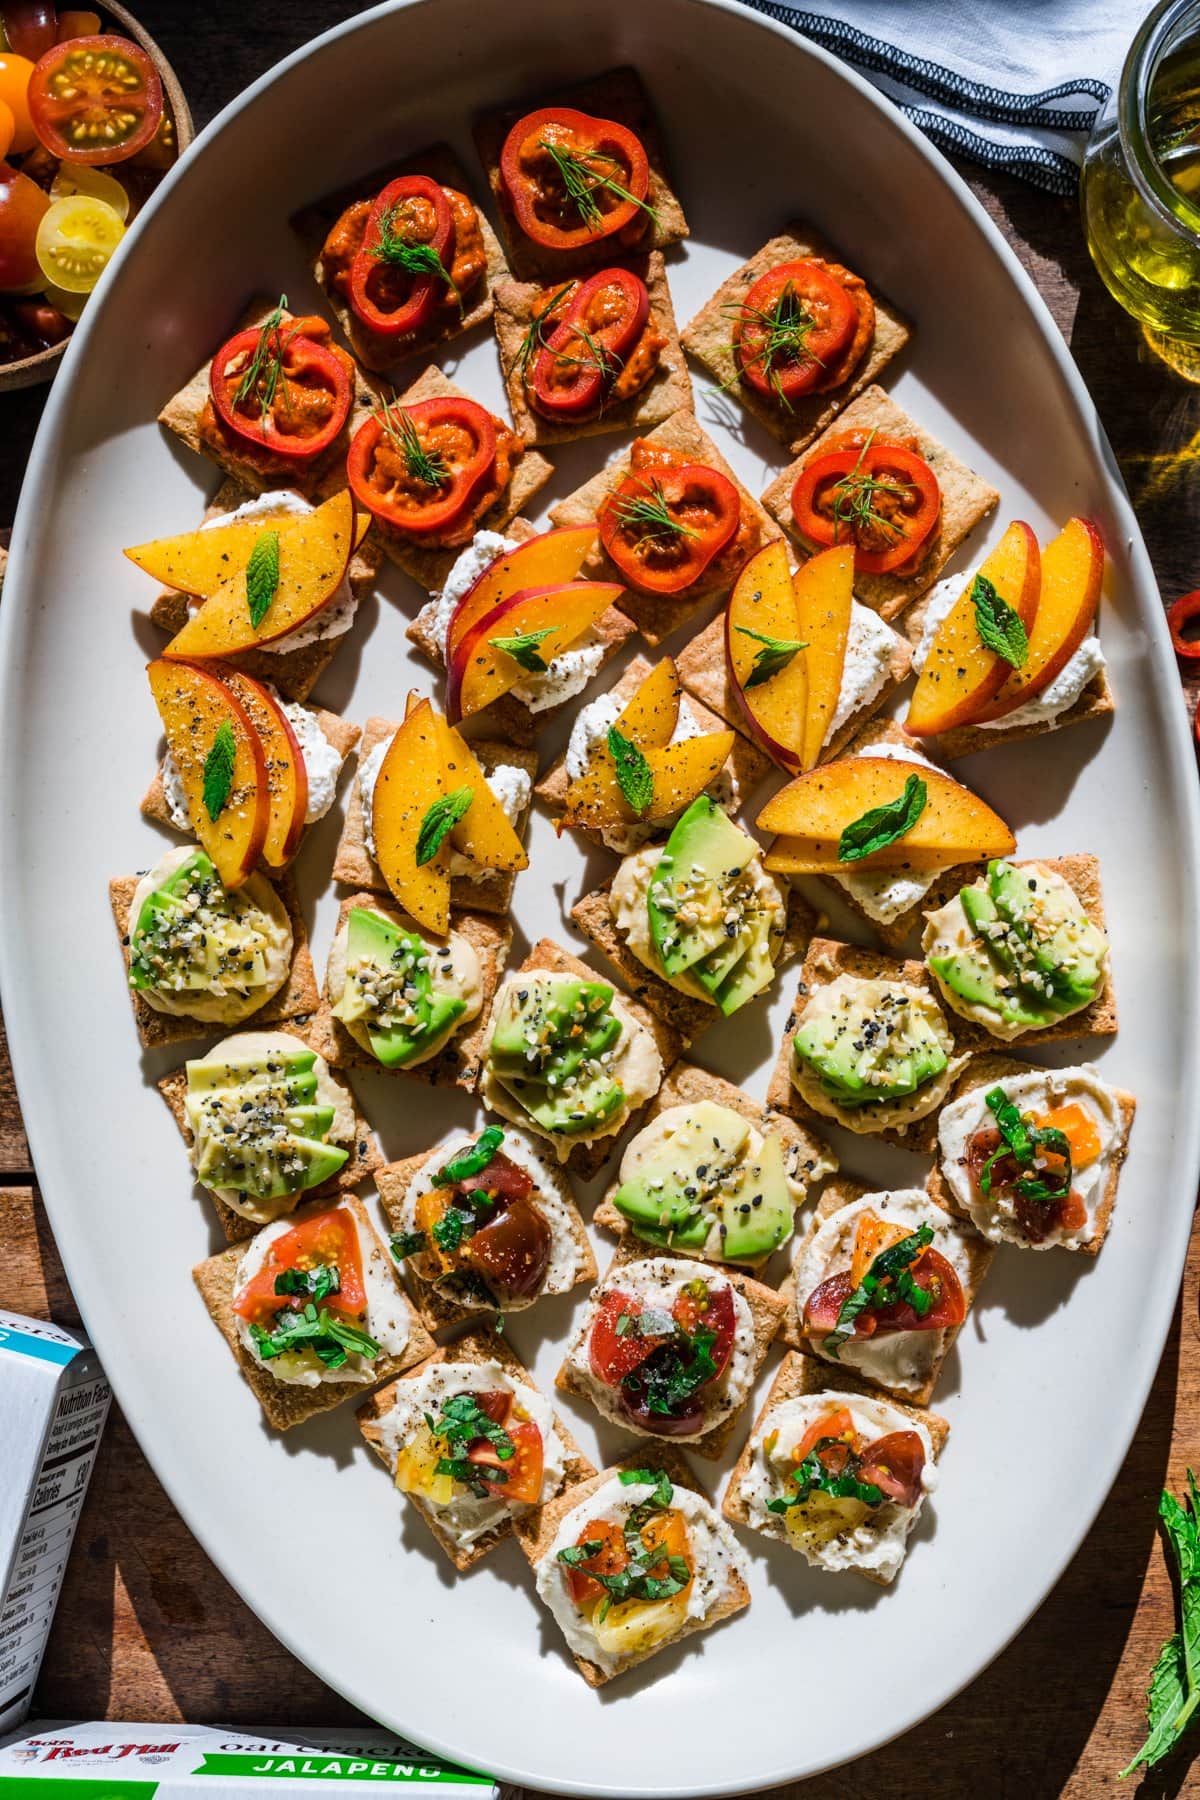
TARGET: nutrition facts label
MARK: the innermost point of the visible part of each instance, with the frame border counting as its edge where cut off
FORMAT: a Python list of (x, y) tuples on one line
[(55, 1497)]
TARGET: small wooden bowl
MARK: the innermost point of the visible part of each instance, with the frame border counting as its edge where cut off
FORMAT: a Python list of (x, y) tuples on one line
[(28, 371)]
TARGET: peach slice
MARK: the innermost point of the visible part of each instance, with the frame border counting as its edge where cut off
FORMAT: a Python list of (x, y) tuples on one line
[(480, 672), (679, 774), (1072, 573), (812, 812), (314, 553), (824, 588), (221, 765), (763, 606), (287, 777), (409, 783), (485, 832), (650, 716), (961, 675), (551, 559)]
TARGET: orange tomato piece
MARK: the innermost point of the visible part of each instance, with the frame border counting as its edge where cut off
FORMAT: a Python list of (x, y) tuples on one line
[(835, 1424), (872, 1236), (1080, 1130)]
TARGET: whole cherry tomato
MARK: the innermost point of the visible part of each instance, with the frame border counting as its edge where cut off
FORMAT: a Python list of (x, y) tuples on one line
[(30, 26), (22, 208), (8, 129)]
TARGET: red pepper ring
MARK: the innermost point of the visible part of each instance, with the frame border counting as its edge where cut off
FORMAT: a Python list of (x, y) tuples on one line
[(1179, 617), (664, 526), (573, 371), (612, 157), (418, 468), (372, 268), (779, 366), (887, 465), (294, 366)]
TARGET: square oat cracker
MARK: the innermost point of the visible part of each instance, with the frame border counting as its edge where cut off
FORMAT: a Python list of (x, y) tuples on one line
[(616, 94), (966, 500), (708, 338), (658, 615)]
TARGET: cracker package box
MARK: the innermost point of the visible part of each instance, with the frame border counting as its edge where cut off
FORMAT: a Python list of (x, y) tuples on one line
[(53, 1404), (108, 1760)]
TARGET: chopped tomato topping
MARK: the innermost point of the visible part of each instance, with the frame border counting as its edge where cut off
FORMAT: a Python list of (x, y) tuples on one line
[(836, 1424), (664, 1532), (519, 1478), (614, 1349), (1036, 1218), (930, 1271)]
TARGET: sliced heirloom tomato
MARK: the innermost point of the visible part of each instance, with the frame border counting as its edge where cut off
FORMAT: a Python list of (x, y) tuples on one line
[(329, 1238), (710, 1311), (894, 1463), (572, 179), (793, 330), (517, 1478), (663, 527), (420, 468), (836, 1426), (401, 268), (95, 99), (282, 387), (930, 1271), (871, 491), (598, 325), (614, 1353)]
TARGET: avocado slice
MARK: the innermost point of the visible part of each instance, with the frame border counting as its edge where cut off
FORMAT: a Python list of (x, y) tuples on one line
[(759, 1215), (544, 1019), (862, 1059), (380, 942), (193, 965), (703, 857), (675, 1195), (293, 1073), (753, 972), (270, 1168), (1063, 956), (589, 1105)]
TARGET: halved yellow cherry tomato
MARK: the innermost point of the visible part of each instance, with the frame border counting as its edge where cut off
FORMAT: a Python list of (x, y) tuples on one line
[(70, 305), (75, 240), (81, 178), (14, 92), (8, 129)]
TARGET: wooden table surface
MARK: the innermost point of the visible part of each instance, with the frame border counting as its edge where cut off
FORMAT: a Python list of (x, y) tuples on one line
[(148, 1629)]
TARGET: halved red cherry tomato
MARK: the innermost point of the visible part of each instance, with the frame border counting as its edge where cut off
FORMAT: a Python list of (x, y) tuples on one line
[(95, 99), (599, 324), (1185, 612), (389, 295), (282, 387), (614, 1354), (22, 207), (418, 468), (894, 1463), (521, 1472), (792, 328), (662, 529), (572, 179), (330, 1238), (497, 1403), (880, 495), (930, 1271), (836, 1424)]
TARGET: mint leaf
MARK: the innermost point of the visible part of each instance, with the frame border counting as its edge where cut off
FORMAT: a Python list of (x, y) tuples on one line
[(1174, 1691), (882, 825), (773, 658), (634, 777), (999, 627), (262, 575), (218, 771), (440, 821), (524, 648)]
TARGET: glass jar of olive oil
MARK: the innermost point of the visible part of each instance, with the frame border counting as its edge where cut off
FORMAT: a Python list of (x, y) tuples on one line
[(1141, 177)]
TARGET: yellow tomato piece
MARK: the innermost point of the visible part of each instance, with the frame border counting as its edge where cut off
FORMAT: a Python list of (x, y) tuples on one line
[(8, 129), (75, 241), (69, 305), (1080, 1130), (416, 1468), (80, 178)]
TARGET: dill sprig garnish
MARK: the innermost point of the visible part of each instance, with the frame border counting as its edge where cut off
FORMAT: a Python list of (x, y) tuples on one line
[(785, 329), (594, 354), (429, 467), (266, 365), (583, 177), (854, 500), (649, 516), (413, 256)]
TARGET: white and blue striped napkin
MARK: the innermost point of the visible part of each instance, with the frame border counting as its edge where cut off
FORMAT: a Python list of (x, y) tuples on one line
[(1011, 84)]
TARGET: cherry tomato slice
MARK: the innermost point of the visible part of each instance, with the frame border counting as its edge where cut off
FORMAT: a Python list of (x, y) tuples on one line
[(609, 1559), (837, 1424), (573, 179), (1036, 1218), (895, 1463), (882, 496), (282, 387), (330, 1238), (95, 99), (614, 1354), (30, 26), (512, 1251), (388, 290), (522, 1472), (15, 73), (76, 240), (497, 1403), (791, 329), (23, 206), (418, 468), (663, 529), (1185, 612), (598, 325), (713, 1311)]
